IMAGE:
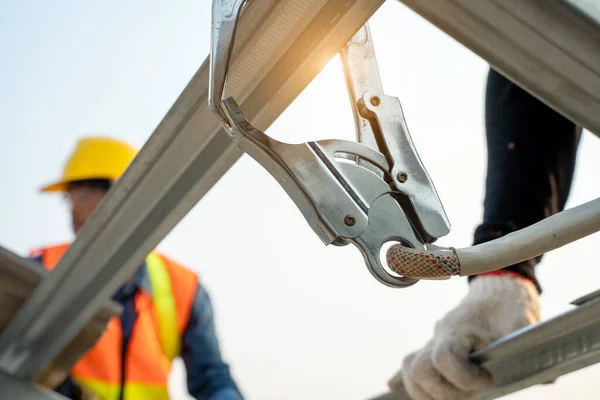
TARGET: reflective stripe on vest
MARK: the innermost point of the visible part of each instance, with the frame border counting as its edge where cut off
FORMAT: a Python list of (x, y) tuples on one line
[(149, 356), (164, 305), (133, 391)]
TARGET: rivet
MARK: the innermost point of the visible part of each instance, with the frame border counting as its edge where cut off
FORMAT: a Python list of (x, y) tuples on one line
[(349, 220)]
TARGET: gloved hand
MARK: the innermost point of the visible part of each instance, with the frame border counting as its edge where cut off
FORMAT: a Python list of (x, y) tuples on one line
[(495, 306)]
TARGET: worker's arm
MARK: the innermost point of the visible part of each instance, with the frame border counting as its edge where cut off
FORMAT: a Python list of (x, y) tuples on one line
[(208, 376), (531, 153)]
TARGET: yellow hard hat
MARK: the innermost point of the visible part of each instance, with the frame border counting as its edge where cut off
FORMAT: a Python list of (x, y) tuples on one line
[(95, 158)]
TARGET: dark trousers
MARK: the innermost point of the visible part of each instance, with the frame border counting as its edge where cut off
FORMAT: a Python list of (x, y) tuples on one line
[(531, 158)]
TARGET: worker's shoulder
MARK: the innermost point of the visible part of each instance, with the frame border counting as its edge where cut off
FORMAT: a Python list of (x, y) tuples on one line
[(178, 267), (38, 251)]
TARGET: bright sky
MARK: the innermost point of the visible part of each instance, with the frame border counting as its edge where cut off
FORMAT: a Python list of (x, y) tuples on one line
[(297, 320)]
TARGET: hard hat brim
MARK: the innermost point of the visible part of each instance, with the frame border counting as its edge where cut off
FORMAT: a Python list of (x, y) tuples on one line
[(60, 186)]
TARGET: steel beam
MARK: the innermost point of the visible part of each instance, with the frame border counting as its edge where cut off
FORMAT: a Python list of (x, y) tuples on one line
[(282, 45), (19, 277), (549, 48), (540, 353), (11, 388)]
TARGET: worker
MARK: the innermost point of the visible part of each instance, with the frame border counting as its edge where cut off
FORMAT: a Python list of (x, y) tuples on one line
[(166, 311), (531, 159)]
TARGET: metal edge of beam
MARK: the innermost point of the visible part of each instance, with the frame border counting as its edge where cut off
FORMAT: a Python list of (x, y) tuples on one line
[(181, 161), (549, 48), (538, 354), (14, 267), (11, 388), (28, 274), (587, 298), (543, 352)]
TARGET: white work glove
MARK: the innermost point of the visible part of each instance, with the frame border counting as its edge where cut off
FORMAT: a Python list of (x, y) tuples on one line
[(494, 307)]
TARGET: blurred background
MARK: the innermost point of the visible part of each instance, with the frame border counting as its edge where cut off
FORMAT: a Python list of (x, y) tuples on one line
[(296, 319)]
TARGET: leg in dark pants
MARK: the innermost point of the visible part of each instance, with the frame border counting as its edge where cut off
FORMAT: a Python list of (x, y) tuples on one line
[(531, 159)]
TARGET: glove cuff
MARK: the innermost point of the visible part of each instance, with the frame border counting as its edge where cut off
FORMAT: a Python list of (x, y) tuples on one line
[(505, 272), (511, 302)]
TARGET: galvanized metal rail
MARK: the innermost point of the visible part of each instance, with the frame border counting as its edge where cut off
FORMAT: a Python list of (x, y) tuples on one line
[(540, 353), (19, 278), (550, 48)]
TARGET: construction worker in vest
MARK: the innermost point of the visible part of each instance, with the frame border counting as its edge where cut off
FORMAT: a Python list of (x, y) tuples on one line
[(132, 360), (531, 153)]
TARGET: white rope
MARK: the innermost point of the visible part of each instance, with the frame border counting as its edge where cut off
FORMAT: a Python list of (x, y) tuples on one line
[(549, 234)]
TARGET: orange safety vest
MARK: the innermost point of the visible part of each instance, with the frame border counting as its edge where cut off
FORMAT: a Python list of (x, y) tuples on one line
[(154, 341)]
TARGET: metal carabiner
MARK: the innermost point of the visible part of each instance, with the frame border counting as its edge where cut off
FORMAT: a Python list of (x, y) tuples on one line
[(342, 202)]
